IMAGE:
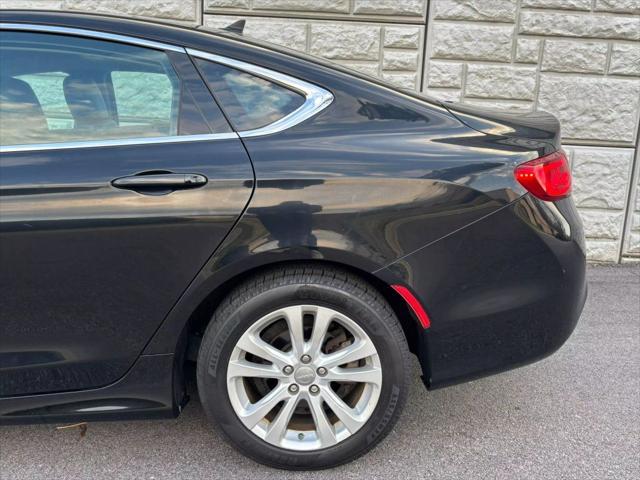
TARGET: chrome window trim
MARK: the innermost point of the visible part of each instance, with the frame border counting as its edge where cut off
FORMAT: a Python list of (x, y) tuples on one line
[(81, 32), (117, 142), (316, 98)]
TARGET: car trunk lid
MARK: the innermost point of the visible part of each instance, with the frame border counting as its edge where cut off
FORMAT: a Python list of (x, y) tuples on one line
[(537, 126)]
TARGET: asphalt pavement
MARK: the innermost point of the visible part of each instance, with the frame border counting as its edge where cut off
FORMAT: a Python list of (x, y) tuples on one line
[(575, 415)]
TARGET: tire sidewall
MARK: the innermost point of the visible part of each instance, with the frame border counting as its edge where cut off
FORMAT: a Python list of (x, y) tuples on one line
[(232, 324)]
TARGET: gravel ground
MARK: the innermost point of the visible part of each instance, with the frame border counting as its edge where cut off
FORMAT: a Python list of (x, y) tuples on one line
[(575, 415)]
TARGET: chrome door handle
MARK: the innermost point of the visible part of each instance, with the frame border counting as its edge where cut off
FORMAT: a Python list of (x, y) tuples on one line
[(159, 180)]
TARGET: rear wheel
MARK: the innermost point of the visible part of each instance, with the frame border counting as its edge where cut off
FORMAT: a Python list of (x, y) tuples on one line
[(304, 367)]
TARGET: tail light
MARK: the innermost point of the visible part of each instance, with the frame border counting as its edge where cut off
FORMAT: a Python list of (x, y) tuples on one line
[(548, 177)]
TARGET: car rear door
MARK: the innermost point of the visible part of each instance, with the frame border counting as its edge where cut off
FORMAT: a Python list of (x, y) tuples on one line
[(119, 177)]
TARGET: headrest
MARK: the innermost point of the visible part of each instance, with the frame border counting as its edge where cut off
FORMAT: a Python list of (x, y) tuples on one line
[(86, 104), (21, 117)]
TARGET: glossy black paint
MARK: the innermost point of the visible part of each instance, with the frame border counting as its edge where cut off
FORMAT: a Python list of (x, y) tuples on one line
[(511, 299), (534, 127), (148, 390), (88, 270), (399, 189)]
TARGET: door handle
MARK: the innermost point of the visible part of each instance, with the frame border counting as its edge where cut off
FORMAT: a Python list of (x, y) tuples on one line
[(171, 181)]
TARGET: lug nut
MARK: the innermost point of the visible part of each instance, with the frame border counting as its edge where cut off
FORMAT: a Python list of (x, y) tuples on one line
[(288, 370), (293, 388), (314, 389), (322, 371), (305, 359)]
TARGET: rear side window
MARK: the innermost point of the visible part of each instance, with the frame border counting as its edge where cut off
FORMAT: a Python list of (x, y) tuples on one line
[(249, 101), (59, 88)]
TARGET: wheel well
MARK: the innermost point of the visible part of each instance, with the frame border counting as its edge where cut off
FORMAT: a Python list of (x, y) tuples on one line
[(202, 315)]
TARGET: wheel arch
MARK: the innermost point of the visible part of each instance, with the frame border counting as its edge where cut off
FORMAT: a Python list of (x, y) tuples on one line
[(179, 332), (202, 313)]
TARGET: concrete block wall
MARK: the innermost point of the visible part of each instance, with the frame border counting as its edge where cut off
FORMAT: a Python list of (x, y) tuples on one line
[(578, 59), (384, 38)]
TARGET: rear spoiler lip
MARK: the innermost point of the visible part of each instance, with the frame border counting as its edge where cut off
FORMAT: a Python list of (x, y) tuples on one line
[(537, 126)]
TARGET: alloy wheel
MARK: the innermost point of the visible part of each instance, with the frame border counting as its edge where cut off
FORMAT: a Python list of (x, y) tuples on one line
[(304, 377)]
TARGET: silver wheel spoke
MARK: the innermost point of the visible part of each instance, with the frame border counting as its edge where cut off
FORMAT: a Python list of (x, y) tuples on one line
[(366, 374), (278, 427), (258, 347), (356, 351), (321, 323), (293, 316), (344, 412), (274, 351), (324, 429), (243, 368), (257, 411)]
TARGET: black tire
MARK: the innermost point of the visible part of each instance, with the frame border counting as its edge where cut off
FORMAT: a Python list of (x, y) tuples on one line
[(304, 284)]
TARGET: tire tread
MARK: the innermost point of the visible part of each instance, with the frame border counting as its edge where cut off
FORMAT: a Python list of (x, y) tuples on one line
[(329, 276)]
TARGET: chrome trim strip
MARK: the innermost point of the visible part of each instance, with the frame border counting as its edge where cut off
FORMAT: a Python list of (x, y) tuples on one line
[(317, 99), (91, 34), (117, 142)]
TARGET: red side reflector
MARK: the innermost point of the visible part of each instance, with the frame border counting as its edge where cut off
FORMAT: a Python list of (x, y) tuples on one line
[(548, 177), (413, 302)]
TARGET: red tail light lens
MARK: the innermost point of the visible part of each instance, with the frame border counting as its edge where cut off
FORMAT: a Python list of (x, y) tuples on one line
[(548, 177)]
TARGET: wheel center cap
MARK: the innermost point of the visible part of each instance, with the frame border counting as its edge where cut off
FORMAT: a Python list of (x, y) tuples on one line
[(305, 375)]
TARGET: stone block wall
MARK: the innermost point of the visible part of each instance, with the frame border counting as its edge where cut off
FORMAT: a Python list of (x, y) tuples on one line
[(384, 38), (578, 59)]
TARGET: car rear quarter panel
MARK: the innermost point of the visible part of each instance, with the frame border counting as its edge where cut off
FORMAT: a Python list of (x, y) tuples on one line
[(374, 177), (503, 292)]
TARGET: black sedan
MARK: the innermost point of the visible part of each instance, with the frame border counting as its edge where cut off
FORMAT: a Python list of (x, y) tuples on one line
[(296, 230)]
